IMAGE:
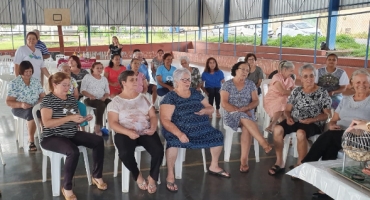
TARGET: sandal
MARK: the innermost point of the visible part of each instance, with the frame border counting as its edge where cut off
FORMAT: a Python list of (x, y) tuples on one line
[(269, 130), (243, 170), (143, 185), (100, 186), (152, 188), (32, 147), (276, 169), (173, 185), (218, 115), (72, 197), (221, 173), (267, 149)]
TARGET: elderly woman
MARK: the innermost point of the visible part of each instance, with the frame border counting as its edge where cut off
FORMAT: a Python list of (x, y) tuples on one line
[(164, 75), (306, 112), (239, 98), (212, 78), (76, 71), (60, 133), (111, 72), (357, 107), (24, 92), (32, 54), (196, 80), (256, 73), (142, 83), (184, 116), (332, 79), (135, 126), (95, 88), (280, 87), (156, 62)]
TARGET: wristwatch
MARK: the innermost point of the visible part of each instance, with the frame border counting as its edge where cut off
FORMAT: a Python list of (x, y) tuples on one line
[(368, 126)]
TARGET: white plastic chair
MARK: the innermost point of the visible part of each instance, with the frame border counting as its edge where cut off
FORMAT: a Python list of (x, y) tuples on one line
[(19, 130), (55, 159), (5, 80), (265, 117), (59, 56), (125, 179), (241, 59), (228, 143), (1, 156)]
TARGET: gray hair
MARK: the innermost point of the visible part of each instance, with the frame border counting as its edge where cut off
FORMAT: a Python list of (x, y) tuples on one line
[(61, 65), (184, 58), (307, 66), (285, 65), (178, 73), (136, 54), (359, 72)]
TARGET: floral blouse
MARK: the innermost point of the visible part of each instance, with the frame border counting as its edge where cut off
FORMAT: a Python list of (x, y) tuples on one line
[(25, 93), (195, 77), (309, 105)]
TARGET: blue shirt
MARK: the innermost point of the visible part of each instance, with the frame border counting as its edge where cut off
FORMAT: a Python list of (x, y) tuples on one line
[(213, 80), (40, 45), (143, 69), (25, 93), (167, 75)]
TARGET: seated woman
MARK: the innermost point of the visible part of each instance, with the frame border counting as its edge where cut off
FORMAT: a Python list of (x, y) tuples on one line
[(111, 72), (95, 88), (307, 110), (24, 92), (142, 83), (280, 87), (196, 80), (184, 116), (132, 117), (60, 133), (356, 106), (239, 98), (76, 71), (256, 73), (164, 75)]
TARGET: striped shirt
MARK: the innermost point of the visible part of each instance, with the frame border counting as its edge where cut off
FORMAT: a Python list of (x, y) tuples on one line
[(40, 45), (60, 108)]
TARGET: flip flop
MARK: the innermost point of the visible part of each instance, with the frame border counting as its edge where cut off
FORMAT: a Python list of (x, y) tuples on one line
[(171, 184), (241, 169), (277, 169), (220, 173)]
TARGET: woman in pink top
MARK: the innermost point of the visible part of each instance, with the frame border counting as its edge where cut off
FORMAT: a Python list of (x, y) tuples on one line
[(142, 83), (112, 72), (275, 100)]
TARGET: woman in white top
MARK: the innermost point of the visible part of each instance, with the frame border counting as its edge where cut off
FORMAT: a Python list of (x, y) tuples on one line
[(95, 88), (132, 117), (31, 53)]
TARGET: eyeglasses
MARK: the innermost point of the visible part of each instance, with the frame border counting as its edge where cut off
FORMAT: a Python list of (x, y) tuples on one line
[(184, 80), (65, 85), (251, 59), (244, 70), (308, 76)]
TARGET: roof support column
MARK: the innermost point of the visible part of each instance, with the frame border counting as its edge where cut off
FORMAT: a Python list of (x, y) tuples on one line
[(24, 18), (226, 19), (87, 18), (146, 22), (265, 21), (332, 24), (200, 18)]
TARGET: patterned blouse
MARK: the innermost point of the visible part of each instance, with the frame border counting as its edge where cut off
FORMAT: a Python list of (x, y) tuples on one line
[(96, 87), (309, 105), (25, 93), (195, 77), (156, 63)]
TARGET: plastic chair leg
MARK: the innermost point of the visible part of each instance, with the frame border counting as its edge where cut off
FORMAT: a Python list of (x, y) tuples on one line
[(115, 167), (1, 156), (256, 150), (228, 143), (44, 167), (204, 160), (87, 165), (178, 163), (125, 179), (55, 175)]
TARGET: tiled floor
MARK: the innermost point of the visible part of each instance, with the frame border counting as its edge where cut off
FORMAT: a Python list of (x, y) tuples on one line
[(21, 178)]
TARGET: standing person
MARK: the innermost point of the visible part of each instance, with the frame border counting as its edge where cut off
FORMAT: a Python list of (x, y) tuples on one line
[(156, 62), (115, 48), (31, 53), (332, 79), (60, 133), (40, 45), (196, 80), (24, 92), (111, 72), (164, 75), (95, 87), (256, 73), (212, 78), (133, 118)]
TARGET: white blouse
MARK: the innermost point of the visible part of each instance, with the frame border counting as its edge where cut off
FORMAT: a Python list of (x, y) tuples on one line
[(96, 87)]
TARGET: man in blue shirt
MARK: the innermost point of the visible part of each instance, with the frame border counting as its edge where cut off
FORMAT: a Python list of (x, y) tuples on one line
[(40, 45)]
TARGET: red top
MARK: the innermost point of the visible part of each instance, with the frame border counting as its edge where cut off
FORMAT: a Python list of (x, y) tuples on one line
[(113, 78)]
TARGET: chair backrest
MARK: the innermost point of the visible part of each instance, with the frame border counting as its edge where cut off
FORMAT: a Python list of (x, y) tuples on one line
[(240, 59), (37, 120), (59, 56), (264, 88)]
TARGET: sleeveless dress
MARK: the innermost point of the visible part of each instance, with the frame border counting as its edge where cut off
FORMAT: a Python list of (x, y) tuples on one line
[(197, 128), (239, 99)]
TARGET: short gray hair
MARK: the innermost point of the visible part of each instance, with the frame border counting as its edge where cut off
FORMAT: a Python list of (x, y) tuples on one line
[(61, 65), (307, 66), (359, 72), (136, 54), (285, 65), (178, 73), (184, 58)]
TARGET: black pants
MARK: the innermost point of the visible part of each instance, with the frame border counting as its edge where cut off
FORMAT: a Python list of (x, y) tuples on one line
[(68, 147), (326, 146), (126, 149), (214, 93), (99, 108)]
